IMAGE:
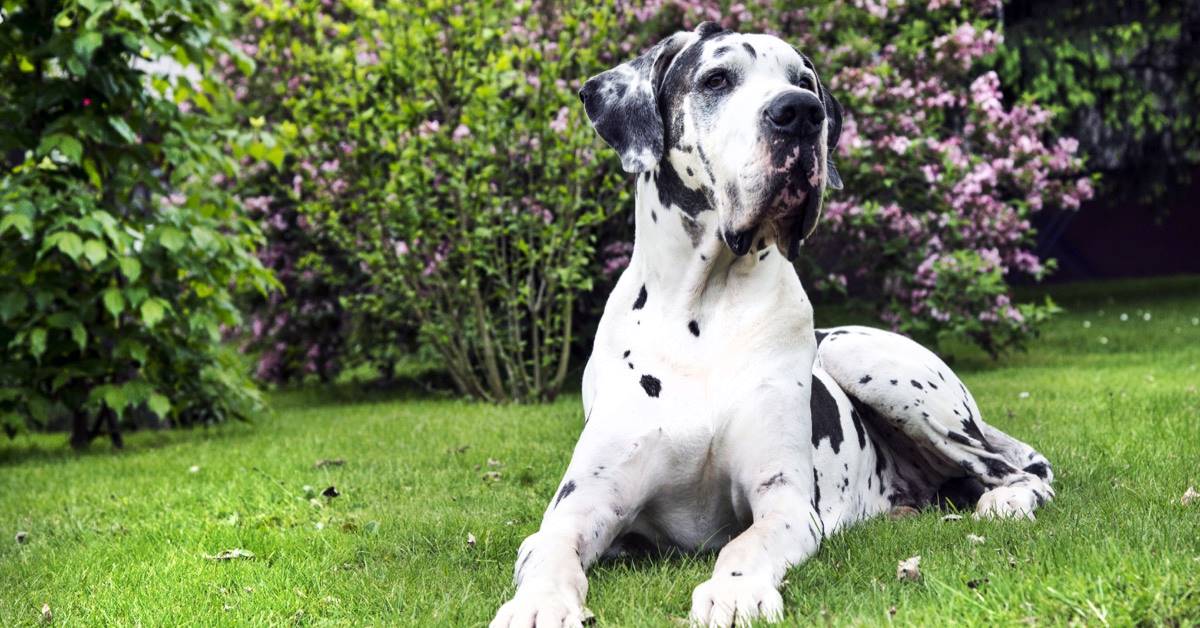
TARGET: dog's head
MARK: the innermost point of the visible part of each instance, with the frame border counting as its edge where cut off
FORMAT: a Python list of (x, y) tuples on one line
[(736, 123)]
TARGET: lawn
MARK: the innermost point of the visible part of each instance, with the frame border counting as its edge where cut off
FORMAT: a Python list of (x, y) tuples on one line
[(1109, 394)]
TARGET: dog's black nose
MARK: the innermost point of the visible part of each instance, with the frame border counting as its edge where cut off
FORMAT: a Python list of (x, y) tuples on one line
[(795, 113), (739, 242)]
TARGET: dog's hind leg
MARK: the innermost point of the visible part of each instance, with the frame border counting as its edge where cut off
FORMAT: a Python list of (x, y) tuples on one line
[(901, 387)]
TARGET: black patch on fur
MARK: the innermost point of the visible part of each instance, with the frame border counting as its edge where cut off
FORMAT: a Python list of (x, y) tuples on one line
[(866, 379), (816, 490), (959, 438), (750, 49), (820, 335), (972, 428), (672, 191), (694, 327), (1039, 469), (653, 216), (826, 423), (895, 381), (694, 230), (917, 385), (626, 354), (641, 298), (651, 385), (997, 468), (764, 255), (567, 489), (856, 418), (774, 480), (721, 52)]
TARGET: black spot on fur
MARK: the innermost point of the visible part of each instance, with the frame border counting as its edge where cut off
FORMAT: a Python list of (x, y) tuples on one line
[(651, 385), (959, 438), (721, 52), (521, 567), (626, 354), (931, 385), (820, 335), (866, 379), (856, 419), (735, 574), (641, 299), (630, 365), (750, 49), (917, 385), (1039, 469), (764, 255), (774, 480), (567, 489), (997, 468), (816, 490), (689, 171), (653, 215), (826, 423), (694, 327), (895, 381)]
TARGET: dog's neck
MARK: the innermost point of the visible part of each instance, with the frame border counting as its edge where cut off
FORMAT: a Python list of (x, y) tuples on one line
[(681, 256)]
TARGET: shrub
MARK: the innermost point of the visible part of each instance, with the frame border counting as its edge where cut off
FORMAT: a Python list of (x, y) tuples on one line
[(119, 261), (444, 152)]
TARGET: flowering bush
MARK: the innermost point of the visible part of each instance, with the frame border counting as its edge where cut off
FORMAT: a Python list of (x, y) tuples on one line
[(119, 264), (940, 175), (442, 152)]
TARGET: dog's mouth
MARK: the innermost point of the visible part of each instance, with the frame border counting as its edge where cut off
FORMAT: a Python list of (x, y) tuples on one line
[(789, 178)]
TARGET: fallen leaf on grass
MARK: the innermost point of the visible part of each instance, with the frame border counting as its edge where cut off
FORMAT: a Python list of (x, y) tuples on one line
[(330, 492), (22, 536), (1189, 496), (909, 569), (976, 539), (588, 617), (492, 462), (332, 462), (47, 616), (903, 512), (471, 539), (231, 554), (194, 469), (952, 517)]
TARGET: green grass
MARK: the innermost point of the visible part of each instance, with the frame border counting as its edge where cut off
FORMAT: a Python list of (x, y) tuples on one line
[(120, 538)]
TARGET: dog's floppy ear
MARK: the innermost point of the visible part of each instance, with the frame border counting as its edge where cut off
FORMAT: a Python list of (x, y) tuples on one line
[(622, 104), (833, 116)]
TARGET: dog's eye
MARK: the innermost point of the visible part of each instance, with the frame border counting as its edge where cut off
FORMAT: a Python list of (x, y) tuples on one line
[(807, 83), (716, 80)]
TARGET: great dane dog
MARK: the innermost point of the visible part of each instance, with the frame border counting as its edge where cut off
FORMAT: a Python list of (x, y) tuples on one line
[(716, 417)]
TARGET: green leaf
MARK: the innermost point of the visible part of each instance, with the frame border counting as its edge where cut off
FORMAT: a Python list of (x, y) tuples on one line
[(37, 342), (171, 238), (80, 335), (152, 312), (131, 268), (159, 404), (22, 222), (95, 252), (122, 128), (69, 243), (86, 44), (11, 304), (202, 236), (114, 302), (67, 145)]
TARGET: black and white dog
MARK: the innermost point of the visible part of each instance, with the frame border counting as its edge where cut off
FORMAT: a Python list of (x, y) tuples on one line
[(716, 417)]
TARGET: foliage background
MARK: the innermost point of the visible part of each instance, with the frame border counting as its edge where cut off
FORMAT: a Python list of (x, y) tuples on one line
[(119, 265)]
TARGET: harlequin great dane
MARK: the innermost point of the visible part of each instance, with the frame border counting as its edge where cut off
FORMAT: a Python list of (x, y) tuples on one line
[(715, 416)]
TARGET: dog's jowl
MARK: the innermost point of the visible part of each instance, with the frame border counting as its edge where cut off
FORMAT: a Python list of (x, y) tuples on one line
[(717, 418)]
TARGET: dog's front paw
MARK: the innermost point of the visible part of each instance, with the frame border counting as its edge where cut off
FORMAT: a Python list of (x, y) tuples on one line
[(726, 600), (1007, 502), (539, 606)]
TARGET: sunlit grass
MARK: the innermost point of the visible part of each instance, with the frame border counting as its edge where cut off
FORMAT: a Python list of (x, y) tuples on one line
[(121, 538)]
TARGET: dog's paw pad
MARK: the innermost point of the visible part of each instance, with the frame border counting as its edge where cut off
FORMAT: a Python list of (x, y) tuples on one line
[(1007, 502)]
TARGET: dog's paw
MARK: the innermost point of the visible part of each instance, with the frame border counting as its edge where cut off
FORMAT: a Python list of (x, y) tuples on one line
[(729, 600), (1007, 502), (540, 606)]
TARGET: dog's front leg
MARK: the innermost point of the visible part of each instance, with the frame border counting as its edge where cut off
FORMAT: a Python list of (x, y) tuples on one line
[(594, 502), (777, 482)]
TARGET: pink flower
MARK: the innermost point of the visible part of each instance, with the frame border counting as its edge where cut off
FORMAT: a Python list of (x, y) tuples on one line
[(460, 133)]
